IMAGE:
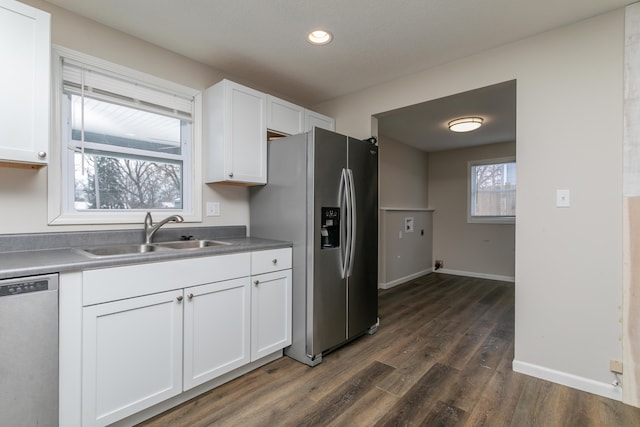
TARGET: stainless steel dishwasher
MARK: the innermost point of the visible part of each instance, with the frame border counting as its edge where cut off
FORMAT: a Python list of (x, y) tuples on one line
[(29, 351)]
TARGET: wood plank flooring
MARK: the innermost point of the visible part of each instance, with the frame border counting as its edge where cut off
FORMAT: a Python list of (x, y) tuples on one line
[(441, 357)]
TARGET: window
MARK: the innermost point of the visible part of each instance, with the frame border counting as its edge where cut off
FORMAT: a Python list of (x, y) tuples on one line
[(126, 145), (492, 191)]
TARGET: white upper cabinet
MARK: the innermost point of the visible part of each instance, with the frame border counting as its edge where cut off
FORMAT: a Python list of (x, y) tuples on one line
[(235, 134), (313, 119), (24, 84), (236, 122), (289, 119), (284, 117)]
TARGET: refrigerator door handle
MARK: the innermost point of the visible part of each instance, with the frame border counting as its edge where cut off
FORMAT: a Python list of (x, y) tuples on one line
[(352, 214), (343, 196)]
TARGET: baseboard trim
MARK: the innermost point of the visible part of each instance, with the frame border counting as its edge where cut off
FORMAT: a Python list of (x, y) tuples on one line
[(580, 383), (477, 275), (396, 282)]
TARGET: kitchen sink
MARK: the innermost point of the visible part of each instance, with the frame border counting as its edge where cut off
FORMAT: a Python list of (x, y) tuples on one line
[(121, 250), (191, 244), (105, 251)]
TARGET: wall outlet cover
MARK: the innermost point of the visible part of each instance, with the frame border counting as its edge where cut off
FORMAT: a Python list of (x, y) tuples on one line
[(563, 198), (408, 224), (213, 208)]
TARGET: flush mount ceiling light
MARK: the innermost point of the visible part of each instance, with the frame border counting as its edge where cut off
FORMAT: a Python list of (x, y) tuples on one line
[(319, 37), (465, 124)]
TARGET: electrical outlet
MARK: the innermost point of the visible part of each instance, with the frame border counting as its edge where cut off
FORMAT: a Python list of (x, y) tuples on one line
[(408, 224), (213, 208)]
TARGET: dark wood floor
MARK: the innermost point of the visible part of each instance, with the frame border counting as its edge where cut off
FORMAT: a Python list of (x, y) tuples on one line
[(442, 357)]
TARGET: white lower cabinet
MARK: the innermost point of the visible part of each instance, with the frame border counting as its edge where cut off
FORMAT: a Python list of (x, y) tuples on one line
[(132, 356), (270, 301), (216, 330), (152, 331), (271, 313)]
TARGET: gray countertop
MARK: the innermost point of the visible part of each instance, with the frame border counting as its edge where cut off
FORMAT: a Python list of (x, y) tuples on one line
[(30, 260)]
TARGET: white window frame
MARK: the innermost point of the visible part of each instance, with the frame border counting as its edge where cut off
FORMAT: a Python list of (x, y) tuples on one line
[(59, 211), (486, 219)]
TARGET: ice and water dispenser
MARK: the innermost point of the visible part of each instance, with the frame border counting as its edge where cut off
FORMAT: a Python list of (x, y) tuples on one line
[(330, 228)]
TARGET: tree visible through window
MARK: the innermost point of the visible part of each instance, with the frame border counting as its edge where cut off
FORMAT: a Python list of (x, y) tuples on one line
[(128, 142), (120, 158), (492, 192)]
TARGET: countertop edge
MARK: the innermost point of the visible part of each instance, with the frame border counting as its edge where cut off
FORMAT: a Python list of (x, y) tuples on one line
[(37, 262)]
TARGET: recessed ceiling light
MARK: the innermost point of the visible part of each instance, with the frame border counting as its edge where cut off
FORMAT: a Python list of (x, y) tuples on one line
[(465, 124), (319, 37)]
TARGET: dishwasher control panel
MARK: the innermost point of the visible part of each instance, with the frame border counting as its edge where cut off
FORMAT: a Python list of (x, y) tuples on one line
[(25, 285)]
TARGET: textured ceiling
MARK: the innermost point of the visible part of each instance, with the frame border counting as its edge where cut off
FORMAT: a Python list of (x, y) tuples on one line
[(424, 125), (375, 41), (263, 41)]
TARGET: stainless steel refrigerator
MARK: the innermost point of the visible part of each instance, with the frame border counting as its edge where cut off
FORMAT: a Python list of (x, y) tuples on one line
[(322, 194)]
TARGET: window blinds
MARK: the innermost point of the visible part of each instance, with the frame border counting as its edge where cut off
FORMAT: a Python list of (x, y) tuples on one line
[(105, 86)]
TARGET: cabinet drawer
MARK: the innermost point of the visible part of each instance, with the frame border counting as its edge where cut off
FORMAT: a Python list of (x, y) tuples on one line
[(270, 260)]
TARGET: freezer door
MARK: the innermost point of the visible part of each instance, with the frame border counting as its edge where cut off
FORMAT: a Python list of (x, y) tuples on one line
[(328, 309), (363, 281)]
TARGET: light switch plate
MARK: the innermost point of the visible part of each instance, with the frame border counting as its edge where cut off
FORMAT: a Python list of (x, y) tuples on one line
[(213, 208), (563, 198)]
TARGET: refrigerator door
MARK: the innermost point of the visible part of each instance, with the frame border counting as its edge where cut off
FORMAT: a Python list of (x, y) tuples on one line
[(363, 281), (328, 312)]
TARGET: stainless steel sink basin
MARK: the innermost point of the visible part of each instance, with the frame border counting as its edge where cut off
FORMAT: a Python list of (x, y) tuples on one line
[(121, 250), (116, 250), (191, 244)]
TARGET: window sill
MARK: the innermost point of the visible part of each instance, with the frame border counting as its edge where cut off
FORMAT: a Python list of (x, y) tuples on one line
[(491, 220), (118, 217)]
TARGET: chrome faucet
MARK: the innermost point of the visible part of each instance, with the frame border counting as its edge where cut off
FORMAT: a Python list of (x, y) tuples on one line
[(150, 229)]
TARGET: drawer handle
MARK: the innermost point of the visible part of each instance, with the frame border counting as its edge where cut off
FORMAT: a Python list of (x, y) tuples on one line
[(257, 282), (42, 154), (231, 175), (179, 298), (274, 261), (190, 296)]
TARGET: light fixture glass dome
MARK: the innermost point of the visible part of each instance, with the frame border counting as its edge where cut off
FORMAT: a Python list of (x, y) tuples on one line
[(465, 124), (319, 37)]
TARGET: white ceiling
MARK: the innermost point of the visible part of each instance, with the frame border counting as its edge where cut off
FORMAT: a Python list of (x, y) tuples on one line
[(424, 125), (263, 41)]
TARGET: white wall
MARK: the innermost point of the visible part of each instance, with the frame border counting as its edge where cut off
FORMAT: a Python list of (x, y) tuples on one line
[(23, 192), (404, 188), (481, 250), (403, 175), (405, 254), (569, 135)]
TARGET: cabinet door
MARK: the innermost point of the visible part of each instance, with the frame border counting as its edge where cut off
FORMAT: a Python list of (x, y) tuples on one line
[(216, 334), (235, 134), (131, 355), (247, 153), (284, 117), (313, 119), (271, 313), (24, 83)]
